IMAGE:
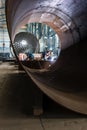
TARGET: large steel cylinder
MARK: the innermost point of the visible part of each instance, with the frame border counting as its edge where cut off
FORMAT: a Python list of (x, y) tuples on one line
[(65, 81)]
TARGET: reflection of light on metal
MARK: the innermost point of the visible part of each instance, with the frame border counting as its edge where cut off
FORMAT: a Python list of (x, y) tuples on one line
[(53, 58), (53, 3), (65, 27), (47, 17), (23, 42)]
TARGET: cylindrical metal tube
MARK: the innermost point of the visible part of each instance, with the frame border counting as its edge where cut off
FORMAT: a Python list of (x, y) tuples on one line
[(65, 81)]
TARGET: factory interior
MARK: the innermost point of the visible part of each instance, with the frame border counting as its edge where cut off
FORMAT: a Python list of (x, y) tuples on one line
[(43, 65)]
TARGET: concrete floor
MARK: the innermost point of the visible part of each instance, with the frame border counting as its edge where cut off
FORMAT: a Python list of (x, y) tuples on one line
[(16, 104)]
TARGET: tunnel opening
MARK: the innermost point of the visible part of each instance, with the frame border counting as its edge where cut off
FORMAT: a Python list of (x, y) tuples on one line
[(37, 45)]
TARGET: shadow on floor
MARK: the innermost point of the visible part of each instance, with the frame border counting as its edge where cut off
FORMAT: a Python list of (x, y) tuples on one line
[(18, 97)]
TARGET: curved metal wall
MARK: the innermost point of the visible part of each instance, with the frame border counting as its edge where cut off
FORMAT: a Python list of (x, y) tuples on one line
[(65, 81)]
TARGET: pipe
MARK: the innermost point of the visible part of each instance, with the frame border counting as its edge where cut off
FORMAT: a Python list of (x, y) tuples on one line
[(65, 81)]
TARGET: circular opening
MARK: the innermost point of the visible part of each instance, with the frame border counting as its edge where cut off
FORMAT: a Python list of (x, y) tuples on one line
[(37, 43)]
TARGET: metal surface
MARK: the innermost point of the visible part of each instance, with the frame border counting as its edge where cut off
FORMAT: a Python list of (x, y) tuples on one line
[(65, 81), (25, 42)]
